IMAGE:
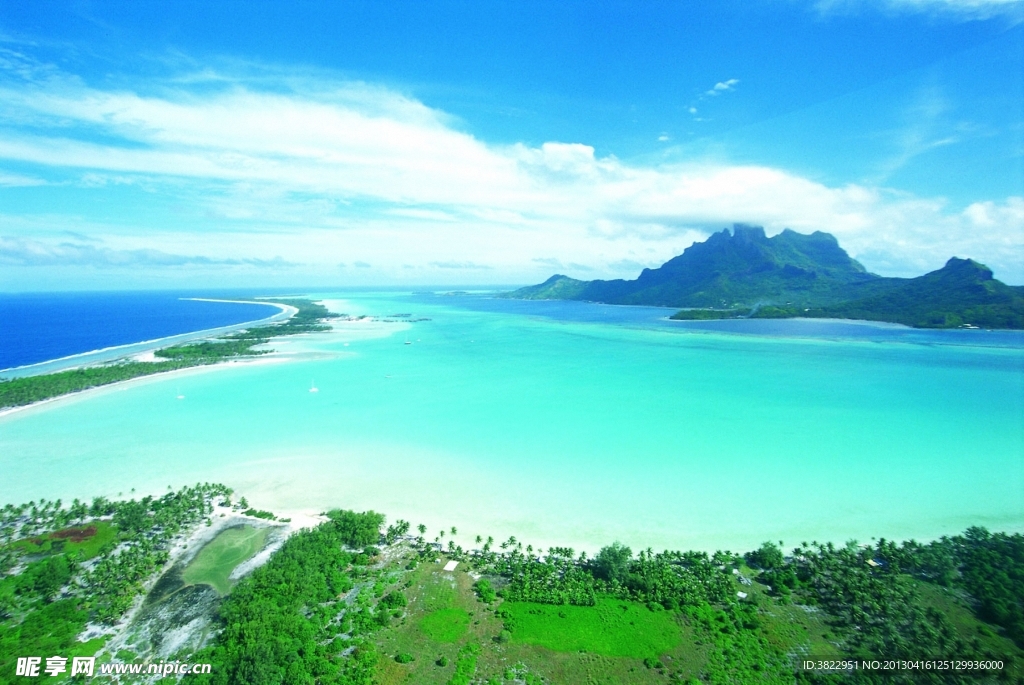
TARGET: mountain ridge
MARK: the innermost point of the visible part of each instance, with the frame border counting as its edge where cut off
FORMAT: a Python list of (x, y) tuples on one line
[(742, 273)]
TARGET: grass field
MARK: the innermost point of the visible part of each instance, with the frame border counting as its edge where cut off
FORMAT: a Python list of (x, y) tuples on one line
[(221, 555), (444, 618), (88, 539), (453, 637), (445, 625), (611, 628)]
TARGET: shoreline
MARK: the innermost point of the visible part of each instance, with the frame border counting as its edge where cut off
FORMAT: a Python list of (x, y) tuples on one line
[(147, 355), (79, 394), (285, 313)]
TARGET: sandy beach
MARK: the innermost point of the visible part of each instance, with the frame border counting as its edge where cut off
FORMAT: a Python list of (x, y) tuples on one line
[(286, 348)]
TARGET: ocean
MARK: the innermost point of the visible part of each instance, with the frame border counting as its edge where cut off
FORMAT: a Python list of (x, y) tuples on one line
[(569, 424), (41, 327)]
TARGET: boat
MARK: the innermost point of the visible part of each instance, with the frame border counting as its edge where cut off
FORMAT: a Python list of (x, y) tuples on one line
[(313, 388)]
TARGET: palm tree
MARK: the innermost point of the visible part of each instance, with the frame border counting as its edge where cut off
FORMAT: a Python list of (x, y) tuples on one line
[(422, 529), (479, 539), (454, 531)]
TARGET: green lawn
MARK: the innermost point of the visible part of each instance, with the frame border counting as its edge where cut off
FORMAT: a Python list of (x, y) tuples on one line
[(221, 555), (611, 628), (445, 625)]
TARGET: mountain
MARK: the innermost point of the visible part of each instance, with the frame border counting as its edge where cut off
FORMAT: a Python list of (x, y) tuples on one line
[(744, 273), (962, 293)]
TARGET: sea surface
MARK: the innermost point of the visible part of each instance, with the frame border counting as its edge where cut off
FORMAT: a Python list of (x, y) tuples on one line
[(567, 423), (41, 327)]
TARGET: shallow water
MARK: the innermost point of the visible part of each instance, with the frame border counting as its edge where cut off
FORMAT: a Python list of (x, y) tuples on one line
[(569, 423)]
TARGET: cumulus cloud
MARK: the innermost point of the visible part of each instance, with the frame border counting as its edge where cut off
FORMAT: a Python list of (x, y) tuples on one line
[(335, 169), (722, 87)]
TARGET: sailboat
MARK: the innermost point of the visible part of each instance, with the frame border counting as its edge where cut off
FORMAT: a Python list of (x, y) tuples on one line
[(312, 387), (180, 396)]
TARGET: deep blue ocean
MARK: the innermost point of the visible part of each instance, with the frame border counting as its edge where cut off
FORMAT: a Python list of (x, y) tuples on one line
[(38, 327)]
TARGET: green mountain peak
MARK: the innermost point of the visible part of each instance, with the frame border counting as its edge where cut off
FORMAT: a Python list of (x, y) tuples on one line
[(742, 272)]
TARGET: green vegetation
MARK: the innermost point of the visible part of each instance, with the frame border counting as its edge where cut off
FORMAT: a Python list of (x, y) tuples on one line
[(47, 593), (221, 555), (465, 665), (356, 530), (260, 514), (288, 622), (710, 314), (445, 625), (50, 629), (307, 319), (746, 274), (16, 392), (349, 602), (611, 627), (84, 541), (484, 591)]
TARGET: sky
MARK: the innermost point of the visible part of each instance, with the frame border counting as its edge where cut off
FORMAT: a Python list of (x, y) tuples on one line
[(318, 144)]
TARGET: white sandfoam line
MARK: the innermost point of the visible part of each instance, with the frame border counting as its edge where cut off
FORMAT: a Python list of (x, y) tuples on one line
[(287, 311)]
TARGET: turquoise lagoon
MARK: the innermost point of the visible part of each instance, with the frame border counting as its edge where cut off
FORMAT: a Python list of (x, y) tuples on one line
[(572, 424)]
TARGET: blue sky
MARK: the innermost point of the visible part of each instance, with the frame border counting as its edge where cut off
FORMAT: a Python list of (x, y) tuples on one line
[(214, 144)]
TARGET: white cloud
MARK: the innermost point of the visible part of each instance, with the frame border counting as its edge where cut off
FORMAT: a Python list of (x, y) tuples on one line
[(315, 176), (18, 180), (459, 265), (16, 251), (721, 87), (957, 9)]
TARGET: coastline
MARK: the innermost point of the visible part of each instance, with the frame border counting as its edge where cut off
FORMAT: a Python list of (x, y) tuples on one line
[(120, 385), (73, 361), (397, 465), (147, 356)]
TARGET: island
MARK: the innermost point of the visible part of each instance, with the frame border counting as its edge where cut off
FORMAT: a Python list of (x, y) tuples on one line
[(197, 581), (742, 273), (307, 317)]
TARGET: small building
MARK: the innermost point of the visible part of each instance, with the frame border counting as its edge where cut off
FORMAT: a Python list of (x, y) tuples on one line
[(741, 595), (450, 566)]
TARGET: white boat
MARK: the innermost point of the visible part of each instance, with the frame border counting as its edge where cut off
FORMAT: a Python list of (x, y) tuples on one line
[(180, 396), (313, 388)]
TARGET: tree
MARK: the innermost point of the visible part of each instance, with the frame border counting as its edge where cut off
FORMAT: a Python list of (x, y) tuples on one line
[(422, 529), (357, 530), (768, 556), (612, 562)]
